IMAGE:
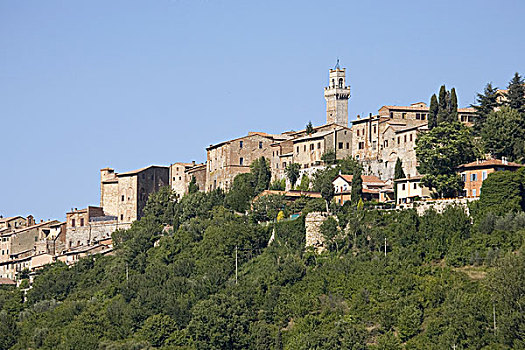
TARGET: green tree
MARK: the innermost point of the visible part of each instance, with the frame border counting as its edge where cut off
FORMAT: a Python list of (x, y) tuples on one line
[(433, 112), (310, 128), (327, 189), (193, 187), (8, 330), (157, 329), (516, 93), (447, 107), (305, 183), (357, 186), (241, 193), (398, 174), (503, 134), (443, 105), (453, 106), (292, 173), (439, 152), (486, 103), (503, 192), (329, 158), (278, 185), (260, 170)]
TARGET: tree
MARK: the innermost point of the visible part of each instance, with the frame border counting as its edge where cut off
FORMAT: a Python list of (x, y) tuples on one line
[(329, 158), (292, 173), (193, 187), (327, 190), (503, 134), (357, 186), (310, 128), (278, 185), (157, 329), (453, 106), (433, 112), (486, 103), (447, 107), (439, 152), (516, 93), (398, 174), (305, 183), (241, 193), (261, 173), (443, 99), (503, 192)]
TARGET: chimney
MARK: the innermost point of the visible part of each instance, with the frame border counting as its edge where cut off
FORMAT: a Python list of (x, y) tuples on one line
[(193, 163)]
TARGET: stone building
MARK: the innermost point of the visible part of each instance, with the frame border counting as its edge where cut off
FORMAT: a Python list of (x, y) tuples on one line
[(411, 189), (372, 188), (89, 226), (15, 222), (228, 159), (181, 174), (199, 172), (336, 96), (473, 174), (124, 195)]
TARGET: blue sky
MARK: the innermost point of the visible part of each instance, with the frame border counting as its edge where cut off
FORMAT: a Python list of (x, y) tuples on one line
[(90, 84)]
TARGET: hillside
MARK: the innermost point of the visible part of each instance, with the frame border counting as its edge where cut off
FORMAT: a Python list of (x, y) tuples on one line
[(440, 285)]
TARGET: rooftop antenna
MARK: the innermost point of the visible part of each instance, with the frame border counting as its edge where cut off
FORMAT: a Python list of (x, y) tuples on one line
[(337, 65)]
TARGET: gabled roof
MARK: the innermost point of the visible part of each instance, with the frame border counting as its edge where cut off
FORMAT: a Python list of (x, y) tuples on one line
[(490, 163), (138, 171), (369, 179), (10, 218), (250, 134), (317, 135)]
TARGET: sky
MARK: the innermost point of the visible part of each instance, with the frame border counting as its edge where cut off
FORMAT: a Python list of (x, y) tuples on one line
[(125, 84)]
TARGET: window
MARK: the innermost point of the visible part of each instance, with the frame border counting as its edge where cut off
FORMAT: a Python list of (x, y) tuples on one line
[(260, 144), (284, 164), (347, 145), (374, 129), (357, 132), (318, 145), (180, 178), (361, 145), (415, 185), (463, 177), (121, 217), (403, 187), (297, 149), (391, 114), (484, 175), (423, 117), (474, 192), (241, 161), (403, 115), (386, 143), (81, 221), (418, 116), (410, 137), (341, 83), (304, 148), (72, 222), (340, 145), (312, 147), (473, 177), (240, 144), (405, 139), (122, 198), (398, 140)]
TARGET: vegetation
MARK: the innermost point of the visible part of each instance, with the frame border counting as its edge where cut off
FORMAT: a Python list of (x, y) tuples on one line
[(292, 173), (399, 173)]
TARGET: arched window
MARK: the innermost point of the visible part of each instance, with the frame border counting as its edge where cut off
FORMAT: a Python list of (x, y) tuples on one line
[(333, 83), (341, 83)]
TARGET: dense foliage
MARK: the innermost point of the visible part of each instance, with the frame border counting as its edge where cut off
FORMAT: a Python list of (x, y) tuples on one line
[(388, 280)]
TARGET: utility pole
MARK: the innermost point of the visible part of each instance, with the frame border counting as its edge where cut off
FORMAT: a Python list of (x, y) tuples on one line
[(385, 246), (236, 265), (494, 316)]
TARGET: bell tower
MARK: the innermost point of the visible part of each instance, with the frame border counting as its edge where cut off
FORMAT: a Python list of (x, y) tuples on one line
[(336, 96)]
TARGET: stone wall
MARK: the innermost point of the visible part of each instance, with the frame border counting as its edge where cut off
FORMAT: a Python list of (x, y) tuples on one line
[(440, 205), (314, 238), (95, 231)]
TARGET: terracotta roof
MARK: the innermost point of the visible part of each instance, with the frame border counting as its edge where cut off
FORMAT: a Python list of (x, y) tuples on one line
[(489, 163), (7, 281), (313, 136), (424, 109), (365, 178), (416, 177), (251, 133), (10, 218), (135, 172)]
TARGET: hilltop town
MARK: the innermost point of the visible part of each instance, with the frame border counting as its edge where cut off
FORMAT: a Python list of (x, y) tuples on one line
[(378, 142)]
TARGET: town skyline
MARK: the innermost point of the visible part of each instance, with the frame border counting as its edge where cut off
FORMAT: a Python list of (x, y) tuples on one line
[(136, 101)]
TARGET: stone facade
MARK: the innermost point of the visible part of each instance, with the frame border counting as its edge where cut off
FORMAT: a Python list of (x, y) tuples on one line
[(124, 195), (199, 172), (180, 177), (231, 158), (314, 238), (336, 96), (90, 225)]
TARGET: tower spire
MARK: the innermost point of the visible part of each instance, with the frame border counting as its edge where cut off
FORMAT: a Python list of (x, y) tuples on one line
[(336, 96)]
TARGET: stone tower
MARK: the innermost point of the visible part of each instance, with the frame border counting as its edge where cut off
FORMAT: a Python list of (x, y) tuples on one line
[(336, 96)]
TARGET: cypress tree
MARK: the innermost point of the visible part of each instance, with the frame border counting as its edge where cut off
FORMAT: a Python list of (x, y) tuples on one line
[(433, 112), (442, 115), (486, 103), (357, 186), (398, 174), (453, 106), (516, 93)]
